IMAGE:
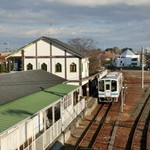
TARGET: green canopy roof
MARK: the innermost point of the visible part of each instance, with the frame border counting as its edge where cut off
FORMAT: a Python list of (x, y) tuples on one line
[(13, 112)]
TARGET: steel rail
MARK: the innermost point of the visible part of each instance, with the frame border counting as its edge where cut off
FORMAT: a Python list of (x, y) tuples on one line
[(137, 126), (84, 134)]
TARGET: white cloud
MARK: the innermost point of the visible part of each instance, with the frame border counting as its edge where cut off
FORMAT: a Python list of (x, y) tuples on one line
[(106, 21), (93, 3)]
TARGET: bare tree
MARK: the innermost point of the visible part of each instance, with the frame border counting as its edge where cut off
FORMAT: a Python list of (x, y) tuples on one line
[(96, 60), (82, 43)]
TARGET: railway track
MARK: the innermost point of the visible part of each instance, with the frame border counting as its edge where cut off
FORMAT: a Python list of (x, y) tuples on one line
[(148, 137), (106, 136), (91, 131), (138, 80), (140, 134), (132, 130), (99, 133)]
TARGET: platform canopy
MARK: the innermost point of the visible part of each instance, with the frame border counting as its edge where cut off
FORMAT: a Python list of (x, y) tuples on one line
[(20, 109), (22, 83)]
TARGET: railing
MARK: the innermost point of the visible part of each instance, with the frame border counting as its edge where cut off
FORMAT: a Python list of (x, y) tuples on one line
[(71, 114), (44, 140), (79, 107)]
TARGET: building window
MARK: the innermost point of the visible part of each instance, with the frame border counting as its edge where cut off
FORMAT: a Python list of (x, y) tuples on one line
[(134, 64), (67, 101), (75, 97), (134, 59), (44, 67), (29, 66), (58, 67), (73, 67), (57, 111)]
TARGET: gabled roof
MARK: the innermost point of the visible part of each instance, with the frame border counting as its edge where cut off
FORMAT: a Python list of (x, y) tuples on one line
[(22, 83), (67, 47), (55, 42), (22, 108), (127, 52)]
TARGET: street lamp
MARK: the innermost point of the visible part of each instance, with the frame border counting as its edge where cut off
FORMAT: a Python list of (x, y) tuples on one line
[(7, 46)]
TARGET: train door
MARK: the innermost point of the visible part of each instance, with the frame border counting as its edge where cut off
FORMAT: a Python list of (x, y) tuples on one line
[(107, 88)]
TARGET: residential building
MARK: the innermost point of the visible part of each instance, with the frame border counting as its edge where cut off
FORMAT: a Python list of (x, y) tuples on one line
[(2, 59), (128, 59)]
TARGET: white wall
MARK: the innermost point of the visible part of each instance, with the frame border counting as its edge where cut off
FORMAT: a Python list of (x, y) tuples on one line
[(22, 134), (40, 61), (127, 61), (72, 75), (57, 52), (68, 54), (17, 137), (62, 62), (29, 60), (43, 48), (85, 67), (30, 50)]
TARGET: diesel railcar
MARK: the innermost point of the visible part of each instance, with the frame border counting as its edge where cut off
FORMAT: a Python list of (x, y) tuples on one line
[(109, 87)]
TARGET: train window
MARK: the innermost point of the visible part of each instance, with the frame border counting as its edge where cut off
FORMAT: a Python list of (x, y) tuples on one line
[(107, 87), (101, 85), (113, 85)]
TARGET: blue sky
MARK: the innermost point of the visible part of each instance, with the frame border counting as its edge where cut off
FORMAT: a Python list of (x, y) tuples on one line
[(109, 23)]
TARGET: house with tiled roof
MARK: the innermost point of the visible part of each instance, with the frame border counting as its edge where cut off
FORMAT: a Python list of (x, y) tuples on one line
[(2, 59), (36, 107)]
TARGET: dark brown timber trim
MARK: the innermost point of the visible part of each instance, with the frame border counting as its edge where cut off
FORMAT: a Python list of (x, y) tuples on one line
[(22, 53), (65, 65), (80, 72), (36, 58), (73, 81), (50, 58)]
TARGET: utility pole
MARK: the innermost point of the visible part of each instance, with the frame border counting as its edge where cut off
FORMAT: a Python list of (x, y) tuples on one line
[(122, 99), (50, 29), (142, 67)]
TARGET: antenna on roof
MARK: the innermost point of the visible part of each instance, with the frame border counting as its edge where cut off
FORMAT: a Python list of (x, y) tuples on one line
[(50, 29)]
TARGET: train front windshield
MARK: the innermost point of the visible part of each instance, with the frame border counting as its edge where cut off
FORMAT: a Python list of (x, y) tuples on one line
[(113, 85)]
